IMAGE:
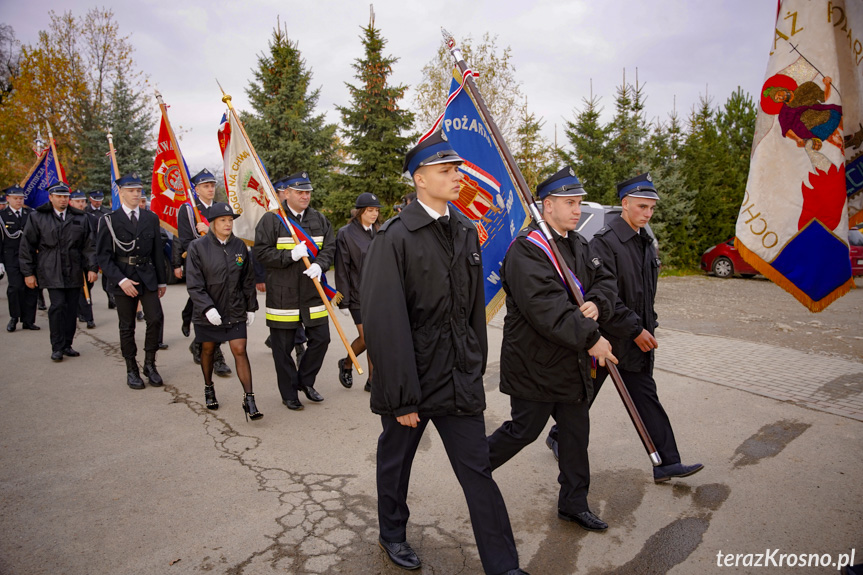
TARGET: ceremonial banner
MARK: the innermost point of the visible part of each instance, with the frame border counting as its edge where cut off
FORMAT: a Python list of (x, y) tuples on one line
[(245, 185), (42, 176), (169, 193), (115, 190), (487, 195), (806, 168)]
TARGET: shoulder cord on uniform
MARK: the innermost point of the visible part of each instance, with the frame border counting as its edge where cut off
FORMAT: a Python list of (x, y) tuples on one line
[(191, 220), (14, 236), (118, 243)]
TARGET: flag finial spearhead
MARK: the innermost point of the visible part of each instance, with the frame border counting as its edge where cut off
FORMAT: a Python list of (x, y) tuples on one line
[(226, 98)]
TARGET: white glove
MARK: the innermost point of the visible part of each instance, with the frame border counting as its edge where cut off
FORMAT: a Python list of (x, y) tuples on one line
[(2, 271), (250, 317), (300, 251), (213, 316), (314, 271)]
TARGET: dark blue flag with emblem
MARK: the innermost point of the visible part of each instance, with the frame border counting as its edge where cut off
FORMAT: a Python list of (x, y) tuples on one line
[(487, 195), (46, 172)]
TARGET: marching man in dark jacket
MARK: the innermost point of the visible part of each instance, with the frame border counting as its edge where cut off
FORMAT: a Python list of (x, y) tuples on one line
[(56, 252), (548, 341), (221, 283), (96, 211), (22, 299), (292, 299), (628, 250), (424, 314), (129, 250)]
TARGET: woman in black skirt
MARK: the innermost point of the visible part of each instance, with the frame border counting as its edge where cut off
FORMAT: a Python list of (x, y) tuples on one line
[(221, 284), (352, 243)]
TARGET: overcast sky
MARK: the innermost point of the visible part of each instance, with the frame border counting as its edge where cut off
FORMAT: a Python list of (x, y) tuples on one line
[(681, 49)]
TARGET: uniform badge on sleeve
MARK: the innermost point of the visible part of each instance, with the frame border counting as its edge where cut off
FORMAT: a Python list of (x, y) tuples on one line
[(240, 259), (476, 258), (596, 262)]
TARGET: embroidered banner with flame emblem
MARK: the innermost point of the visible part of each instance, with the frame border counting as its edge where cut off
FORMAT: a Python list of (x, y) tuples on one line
[(244, 182), (806, 168), (169, 193)]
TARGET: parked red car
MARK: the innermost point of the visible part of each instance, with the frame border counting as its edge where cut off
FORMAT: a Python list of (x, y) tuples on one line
[(725, 261)]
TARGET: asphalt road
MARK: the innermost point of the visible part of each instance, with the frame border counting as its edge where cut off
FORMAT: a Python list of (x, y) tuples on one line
[(96, 478)]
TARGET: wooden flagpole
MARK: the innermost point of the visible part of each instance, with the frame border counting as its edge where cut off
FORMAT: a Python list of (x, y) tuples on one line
[(527, 197), (60, 176), (271, 192)]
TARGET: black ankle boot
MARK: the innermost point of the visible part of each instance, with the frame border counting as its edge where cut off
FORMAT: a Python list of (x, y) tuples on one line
[(150, 370), (210, 397), (219, 365), (250, 408), (133, 378), (346, 376)]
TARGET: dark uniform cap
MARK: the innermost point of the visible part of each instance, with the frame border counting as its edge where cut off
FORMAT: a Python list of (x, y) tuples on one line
[(59, 189), (130, 180), (281, 185), (367, 200), (220, 209), (97, 195), (641, 186), (205, 176), (2, 199), (77, 195), (435, 149), (563, 183), (299, 181), (13, 191)]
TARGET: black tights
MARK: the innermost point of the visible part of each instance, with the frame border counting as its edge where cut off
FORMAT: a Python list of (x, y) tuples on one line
[(241, 361)]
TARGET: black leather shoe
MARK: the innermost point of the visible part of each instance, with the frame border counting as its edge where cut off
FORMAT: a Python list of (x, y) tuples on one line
[(139, 316), (368, 386), (552, 444), (210, 397), (11, 325), (133, 378), (56, 356), (163, 346), (81, 319), (186, 329), (150, 370), (249, 407), (31, 326), (312, 394), (219, 365), (69, 352), (401, 554), (346, 376), (293, 404), (91, 324), (666, 472), (585, 519), (41, 306), (516, 572)]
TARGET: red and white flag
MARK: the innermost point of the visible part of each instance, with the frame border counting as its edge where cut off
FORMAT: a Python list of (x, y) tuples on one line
[(169, 192)]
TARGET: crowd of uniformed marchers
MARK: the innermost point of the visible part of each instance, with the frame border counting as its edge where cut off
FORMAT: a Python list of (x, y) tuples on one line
[(414, 288)]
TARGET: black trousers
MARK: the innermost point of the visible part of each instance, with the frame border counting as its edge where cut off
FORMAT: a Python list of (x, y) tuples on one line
[(642, 388), (104, 288), (85, 310), (573, 433), (22, 300), (127, 307), (464, 439), (290, 377), (62, 315)]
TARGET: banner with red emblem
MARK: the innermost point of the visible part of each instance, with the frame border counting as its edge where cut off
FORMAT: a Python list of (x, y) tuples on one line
[(168, 190), (806, 170), (245, 185)]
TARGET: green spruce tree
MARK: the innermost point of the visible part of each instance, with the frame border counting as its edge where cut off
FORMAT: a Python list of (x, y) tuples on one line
[(534, 155), (286, 132), (590, 152), (376, 130)]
